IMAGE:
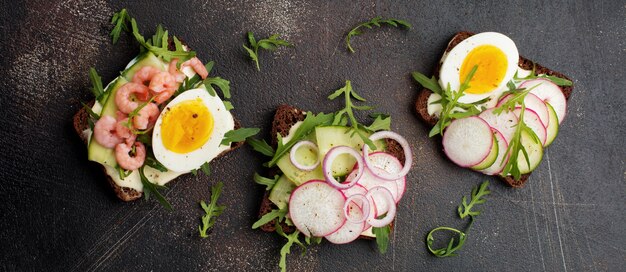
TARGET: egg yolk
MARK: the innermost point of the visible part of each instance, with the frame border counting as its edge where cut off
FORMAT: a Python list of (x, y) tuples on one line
[(491, 65), (186, 126)]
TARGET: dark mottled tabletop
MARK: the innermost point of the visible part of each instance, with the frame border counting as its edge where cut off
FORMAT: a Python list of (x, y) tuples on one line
[(58, 213)]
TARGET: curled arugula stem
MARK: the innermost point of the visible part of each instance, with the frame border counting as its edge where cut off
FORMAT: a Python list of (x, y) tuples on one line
[(376, 21)]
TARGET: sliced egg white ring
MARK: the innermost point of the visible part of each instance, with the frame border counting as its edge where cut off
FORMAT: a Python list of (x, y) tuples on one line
[(452, 62), (222, 122)]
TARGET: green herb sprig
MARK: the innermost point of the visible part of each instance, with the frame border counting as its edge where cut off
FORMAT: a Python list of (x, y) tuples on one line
[(96, 82), (278, 214), (382, 238), (286, 249), (268, 182), (376, 21), (533, 75), (212, 210), (150, 188), (463, 210), (261, 146), (205, 168), (239, 135), (271, 43), (119, 21)]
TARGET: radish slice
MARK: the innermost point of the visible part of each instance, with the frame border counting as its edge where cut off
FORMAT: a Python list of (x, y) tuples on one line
[(390, 164), (332, 154), (549, 93), (349, 231), (504, 122), (359, 189), (316, 208), (293, 157), (391, 213), (350, 206), (369, 181), (467, 141), (408, 156), (503, 157), (534, 103), (531, 119)]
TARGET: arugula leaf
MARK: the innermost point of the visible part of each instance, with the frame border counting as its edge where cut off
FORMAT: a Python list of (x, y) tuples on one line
[(556, 80), (212, 210), (380, 123), (286, 249), (428, 83), (376, 21), (119, 21), (152, 161), (348, 111), (161, 51), (228, 105), (268, 217), (222, 84), (271, 43), (96, 83), (463, 210), (151, 188), (205, 168), (122, 172), (308, 124), (268, 182), (260, 146), (93, 117), (382, 238), (239, 135)]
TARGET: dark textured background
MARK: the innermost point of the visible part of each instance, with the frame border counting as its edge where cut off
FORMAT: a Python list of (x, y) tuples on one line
[(58, 213)]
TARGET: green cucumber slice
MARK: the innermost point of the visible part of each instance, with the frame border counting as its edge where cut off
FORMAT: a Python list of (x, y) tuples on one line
[(491, 158), (553, 125), (535, 154), (147, 59), (296, 175), (331, 136), (281, 192)]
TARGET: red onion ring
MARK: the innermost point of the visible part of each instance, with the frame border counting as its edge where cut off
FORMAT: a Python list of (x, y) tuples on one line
[(408, 158), (391, 212), (328, 163), (294, 161), (365, 208)]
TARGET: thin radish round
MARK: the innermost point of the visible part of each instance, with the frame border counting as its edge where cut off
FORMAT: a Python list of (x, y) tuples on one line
[(390, 214), (467, 141), (327, 167), (408, 156), (549, 93), (503, 157), (350, 231), (531, 119), (390, 164), (316, 208), (534, 103), (504, 122)]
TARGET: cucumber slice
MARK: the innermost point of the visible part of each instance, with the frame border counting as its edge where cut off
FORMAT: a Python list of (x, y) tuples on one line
[(281, 192), (147, 59), (535, 154), (95, 151), (491, 158), (553, 125), (296, 175), (332, 136)]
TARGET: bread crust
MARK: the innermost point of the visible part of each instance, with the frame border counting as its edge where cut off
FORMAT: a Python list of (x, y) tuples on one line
[(421, 103)]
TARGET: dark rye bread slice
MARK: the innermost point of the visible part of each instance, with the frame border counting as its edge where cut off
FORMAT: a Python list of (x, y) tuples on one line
[(124, 193), (284, 118), (421, 103)]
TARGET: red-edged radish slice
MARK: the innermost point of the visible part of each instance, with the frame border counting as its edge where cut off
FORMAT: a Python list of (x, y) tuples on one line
[(531, 119), (359, 189), (534, 103), (330, 157), (504, 122), (408, 156), (390, 213), (350, 231), (503, 157), (467, 141), (316, 208), (369, 181), (294, 158), (390, 164), (549, 93)]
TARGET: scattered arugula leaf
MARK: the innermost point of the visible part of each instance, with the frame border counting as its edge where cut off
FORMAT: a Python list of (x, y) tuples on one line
[(96, 82), (239, 135), (376, 21), (286, 249), (268, 182), (268, 217), (119, 20), (464, 210), (348, 112), (308, 124), (212, 210), (271, 43), (260, 146), (533, 75), (150, 188), (382, 238)]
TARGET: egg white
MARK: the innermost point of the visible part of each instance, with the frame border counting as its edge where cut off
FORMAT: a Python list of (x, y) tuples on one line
[(185, 162), (452, 61)]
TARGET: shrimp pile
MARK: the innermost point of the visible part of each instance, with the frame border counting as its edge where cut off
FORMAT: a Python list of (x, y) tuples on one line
[(138, 109)]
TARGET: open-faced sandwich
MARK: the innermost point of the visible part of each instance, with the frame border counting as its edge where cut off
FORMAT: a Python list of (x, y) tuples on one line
[(496, 110), (332, 177), (160, 118)]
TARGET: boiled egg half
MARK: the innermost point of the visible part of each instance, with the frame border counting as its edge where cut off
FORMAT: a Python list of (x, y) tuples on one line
[(495, 57), (190, 129)]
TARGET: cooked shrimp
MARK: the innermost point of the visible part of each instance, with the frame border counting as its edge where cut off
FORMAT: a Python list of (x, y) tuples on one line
[(146, 117), (145, 74), (173, 70), (122, 130), (162, 81), (164, 96), (123, 98), (197, 66), (128, 161), (104, 132)]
